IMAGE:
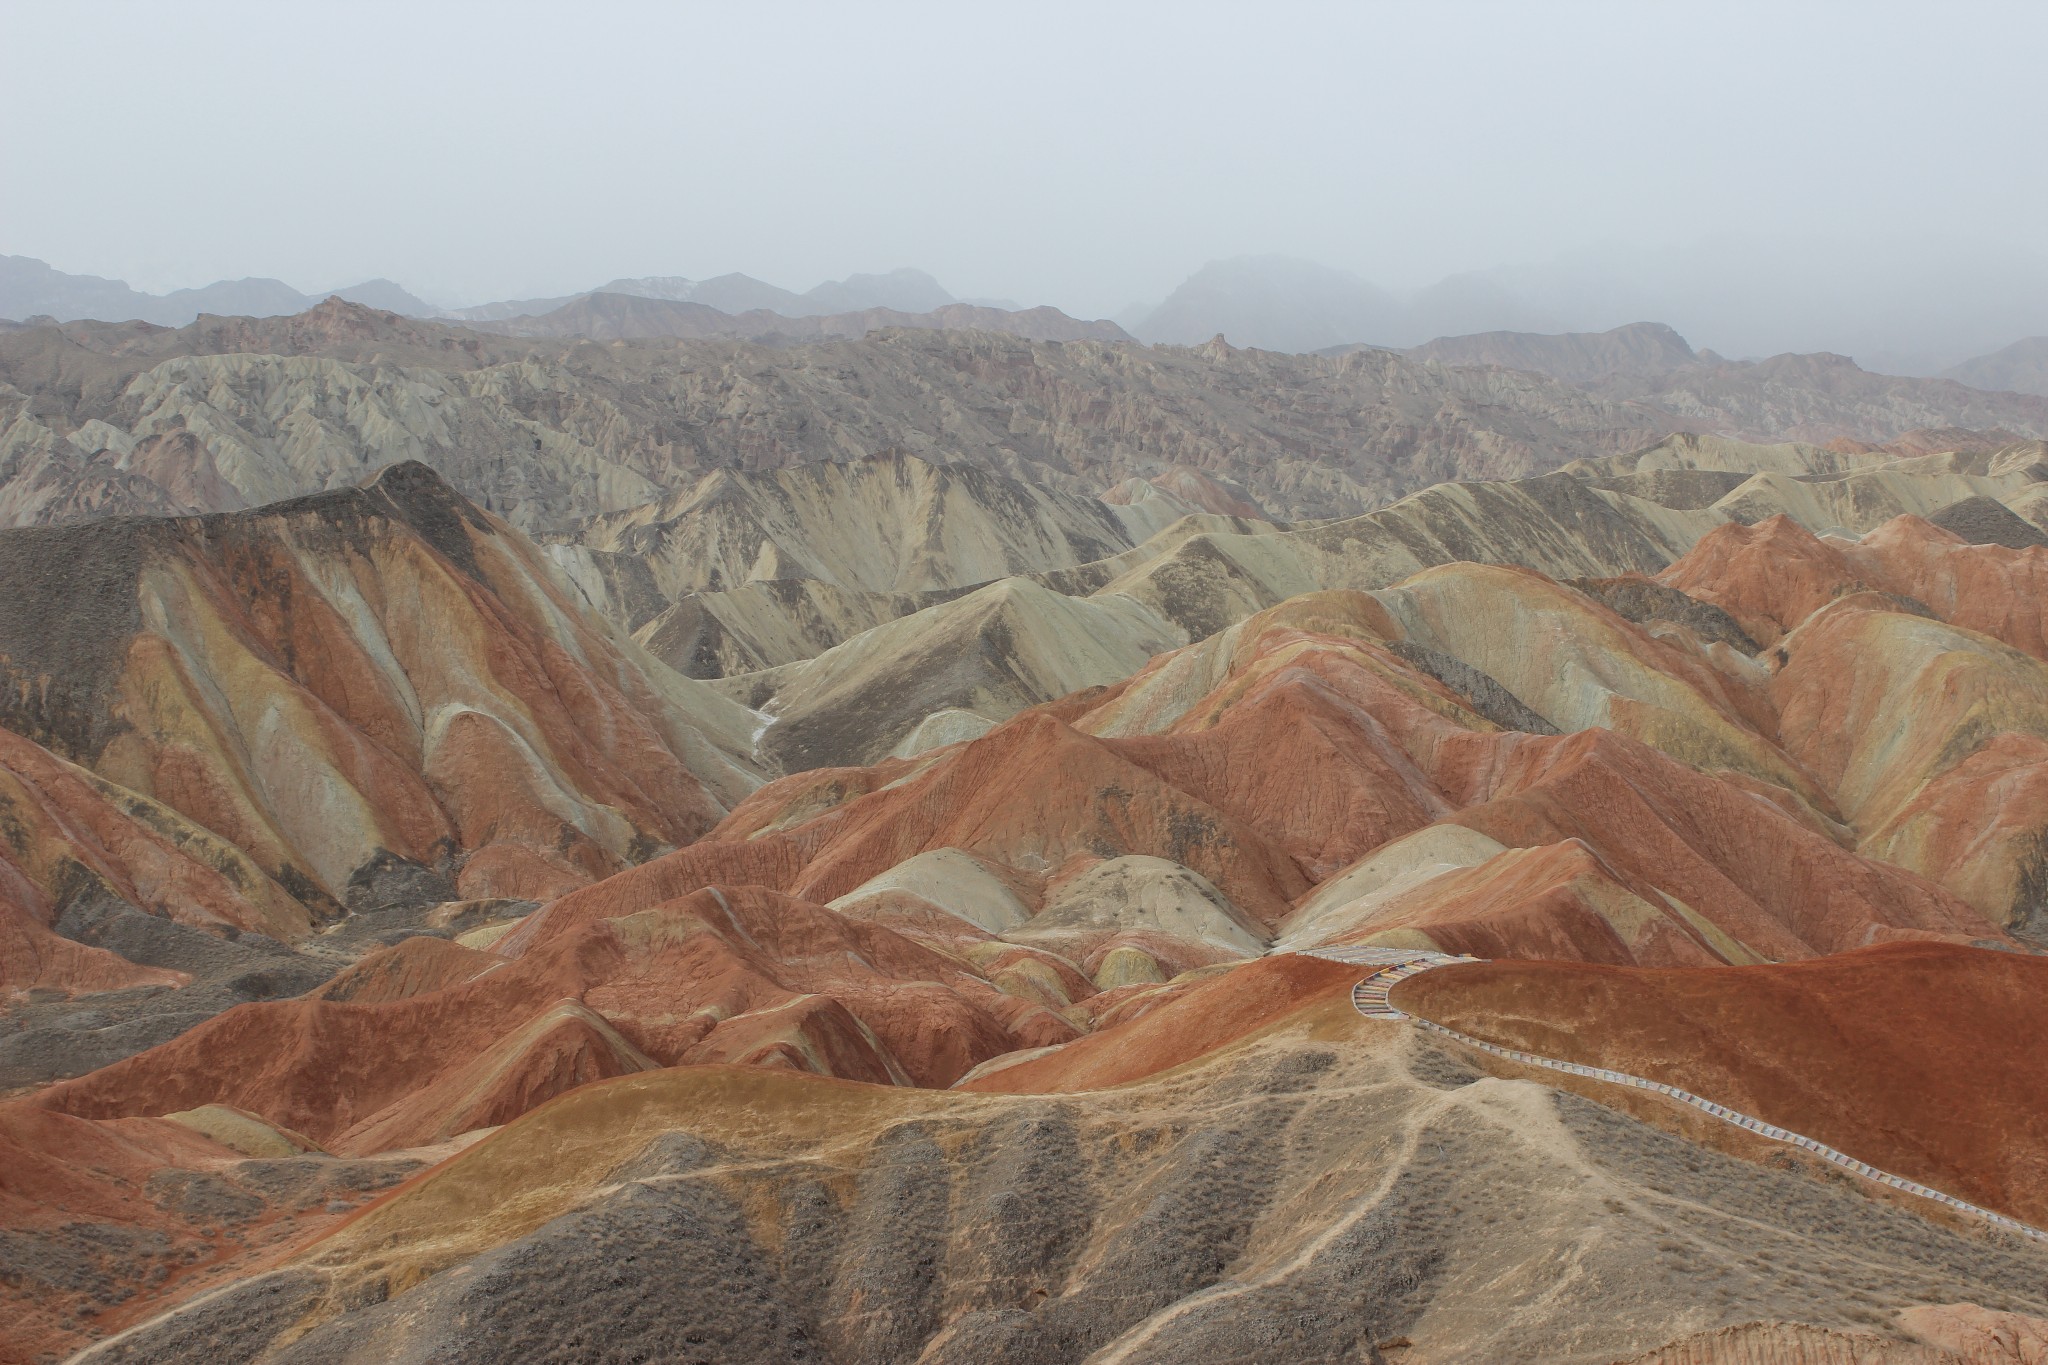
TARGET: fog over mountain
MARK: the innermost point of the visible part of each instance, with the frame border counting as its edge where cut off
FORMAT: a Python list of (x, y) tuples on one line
[(1912, 308), (1735, 297), (2021, 367), (30, 288), (1126, 683), (1842, 186)]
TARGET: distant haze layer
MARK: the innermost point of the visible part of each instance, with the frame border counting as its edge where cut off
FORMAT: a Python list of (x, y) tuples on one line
[(1269, 302), (1763, 178)]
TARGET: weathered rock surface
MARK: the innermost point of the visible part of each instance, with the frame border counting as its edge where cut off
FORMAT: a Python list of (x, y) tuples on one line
[(1910, 680), (1605, 726), (1020, 642), (1326, 1189), (1978, 1334), (764, 623), (235, 412), (1818, 397), (228, 734), (892, 524), (1873, 1052), (990, 653), (98, 1221), (732, 974), (374, 694), (99, 418)]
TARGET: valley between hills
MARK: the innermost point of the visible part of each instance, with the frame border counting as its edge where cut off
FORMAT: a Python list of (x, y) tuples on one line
[(644, 846)]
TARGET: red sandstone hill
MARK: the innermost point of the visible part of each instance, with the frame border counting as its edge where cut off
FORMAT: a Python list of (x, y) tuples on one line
[(1318, 754), (724, 974), (104, 1222), (1894, 1054), (1190, 1023), (260, 721), (368, 697), (1909, 678), (1774, 575)]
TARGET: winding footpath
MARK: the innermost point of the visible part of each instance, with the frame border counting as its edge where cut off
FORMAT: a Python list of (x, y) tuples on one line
[(1395, 965)]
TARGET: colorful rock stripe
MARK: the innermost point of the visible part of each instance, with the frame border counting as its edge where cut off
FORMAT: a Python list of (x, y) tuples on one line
[(1396, 965)]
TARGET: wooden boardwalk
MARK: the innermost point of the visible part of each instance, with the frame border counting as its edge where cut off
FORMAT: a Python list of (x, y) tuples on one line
[(1394, 965)]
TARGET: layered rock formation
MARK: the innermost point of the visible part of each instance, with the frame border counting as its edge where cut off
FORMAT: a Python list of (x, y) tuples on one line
[(1332, 771), (1908, 676), (948, 925), (227, 734), (99, 1219), (895, 524), (1327, 1189), (230, 413), (726, 974), (112, 418)]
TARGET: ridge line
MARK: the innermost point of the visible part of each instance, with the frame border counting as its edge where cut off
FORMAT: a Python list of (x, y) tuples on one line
[(1395, 965)]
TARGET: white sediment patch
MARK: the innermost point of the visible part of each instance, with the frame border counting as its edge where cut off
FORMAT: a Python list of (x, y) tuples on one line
[(761, 729)]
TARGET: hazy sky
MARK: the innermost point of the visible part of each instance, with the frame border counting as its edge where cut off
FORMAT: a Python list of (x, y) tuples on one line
[(1086, 155)]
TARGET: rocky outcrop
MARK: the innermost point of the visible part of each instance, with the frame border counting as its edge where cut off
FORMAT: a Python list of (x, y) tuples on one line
[(1980, 1335)]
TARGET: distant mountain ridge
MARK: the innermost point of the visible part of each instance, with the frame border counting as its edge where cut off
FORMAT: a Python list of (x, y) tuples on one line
[(1575, 357), (731, 306), (1744, 297), (2019, 368), (1278, 303), (128, 418), (613, 317), (1275, 303), (905, 290), (30, 288), (1816, 397)]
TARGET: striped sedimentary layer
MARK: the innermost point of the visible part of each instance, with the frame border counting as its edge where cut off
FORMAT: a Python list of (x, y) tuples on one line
[(373, 697)]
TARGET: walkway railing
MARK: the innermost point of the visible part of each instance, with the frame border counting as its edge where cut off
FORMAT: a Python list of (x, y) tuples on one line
[(1395, 965)]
